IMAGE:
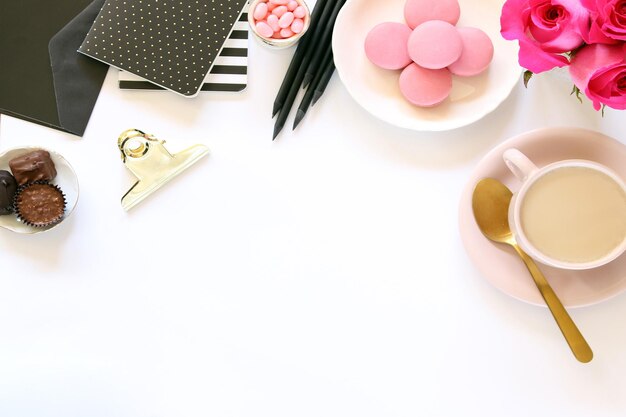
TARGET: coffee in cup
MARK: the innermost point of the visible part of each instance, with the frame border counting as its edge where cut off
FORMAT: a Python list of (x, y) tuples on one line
[(570, 214)]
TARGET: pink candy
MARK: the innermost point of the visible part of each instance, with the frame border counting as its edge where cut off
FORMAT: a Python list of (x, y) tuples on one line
[(477, 53), (264, 29), (279, 11), (260, 11), (297, 25), (435, 44), (417, 12), (299, 12), (386, 45), (272, 20), (286, 20), (425, 87), (279, 19), (429, 49)]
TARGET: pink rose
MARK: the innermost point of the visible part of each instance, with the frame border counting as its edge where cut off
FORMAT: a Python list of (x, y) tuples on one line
[(599, 71), (545, 30), (608, 21)]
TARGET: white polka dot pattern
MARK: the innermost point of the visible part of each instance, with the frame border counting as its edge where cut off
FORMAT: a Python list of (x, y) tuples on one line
[(228, 74), (172, 43)]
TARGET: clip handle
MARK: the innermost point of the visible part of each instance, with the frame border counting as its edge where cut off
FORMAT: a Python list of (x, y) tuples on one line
[(133, 143)]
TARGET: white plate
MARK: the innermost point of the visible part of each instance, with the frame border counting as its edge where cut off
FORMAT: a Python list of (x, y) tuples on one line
[(66, 180), (377, 90)]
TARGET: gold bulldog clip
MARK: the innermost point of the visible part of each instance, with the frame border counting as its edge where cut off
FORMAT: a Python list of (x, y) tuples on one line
[(152, 164)]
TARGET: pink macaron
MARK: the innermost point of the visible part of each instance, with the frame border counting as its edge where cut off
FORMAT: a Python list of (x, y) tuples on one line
[(386, 45), (425, 87), (435, 44), (477, 53), (417, 12)]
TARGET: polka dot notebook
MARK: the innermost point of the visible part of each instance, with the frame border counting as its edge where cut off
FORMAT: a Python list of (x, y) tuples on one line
[(228, 74), (171, 43)]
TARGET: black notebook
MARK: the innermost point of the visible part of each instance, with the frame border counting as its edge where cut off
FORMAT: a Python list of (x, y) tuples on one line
[(228, 74), (171, 43)]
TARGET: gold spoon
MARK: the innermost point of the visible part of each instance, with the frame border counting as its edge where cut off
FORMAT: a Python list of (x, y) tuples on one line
[(490, 203)]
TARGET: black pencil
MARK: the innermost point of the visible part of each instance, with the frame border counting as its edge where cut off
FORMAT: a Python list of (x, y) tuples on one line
[(308, 96), (291, 96), (324, 43), (303, 46), (319, 90), (297, 82)]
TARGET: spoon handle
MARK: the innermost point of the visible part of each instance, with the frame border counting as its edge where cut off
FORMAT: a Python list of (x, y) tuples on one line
[(577, 343)]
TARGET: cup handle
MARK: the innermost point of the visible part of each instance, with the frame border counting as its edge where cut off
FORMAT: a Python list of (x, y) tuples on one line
[(519, 164)]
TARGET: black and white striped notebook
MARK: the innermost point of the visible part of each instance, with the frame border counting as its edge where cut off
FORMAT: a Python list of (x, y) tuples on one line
[(229, 71)]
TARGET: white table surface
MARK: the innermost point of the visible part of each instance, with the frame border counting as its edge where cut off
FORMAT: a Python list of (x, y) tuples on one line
[(318, 275)]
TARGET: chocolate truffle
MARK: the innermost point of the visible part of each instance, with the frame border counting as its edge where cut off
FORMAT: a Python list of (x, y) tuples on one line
[(8, 187), (33, 166), (39, 204)]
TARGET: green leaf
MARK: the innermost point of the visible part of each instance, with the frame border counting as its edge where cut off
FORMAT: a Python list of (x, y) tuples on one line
[(527, 76), (576, 90)]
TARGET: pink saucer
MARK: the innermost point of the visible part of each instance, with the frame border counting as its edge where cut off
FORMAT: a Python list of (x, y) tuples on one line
[(499, 264)]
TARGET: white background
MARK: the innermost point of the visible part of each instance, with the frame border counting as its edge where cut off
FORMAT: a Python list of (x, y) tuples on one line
[(318, 275)]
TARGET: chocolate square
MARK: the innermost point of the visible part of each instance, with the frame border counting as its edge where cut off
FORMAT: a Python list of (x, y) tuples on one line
[(8, 188), (34, 166)]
